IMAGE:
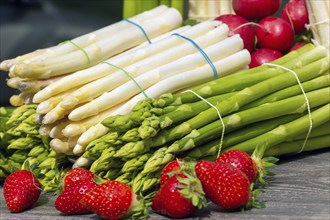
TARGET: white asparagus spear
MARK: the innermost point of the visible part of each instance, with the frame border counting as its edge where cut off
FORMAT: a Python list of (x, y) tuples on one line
[(79, 127), (100, 50), (63, 145), (56, 131), (55, 114), (187, 79), (49, 104), (215, 52), (83, 40), (96, 88), (88, 75)]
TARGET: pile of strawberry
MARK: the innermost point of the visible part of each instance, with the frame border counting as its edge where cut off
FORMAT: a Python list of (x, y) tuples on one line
[(185, 187)]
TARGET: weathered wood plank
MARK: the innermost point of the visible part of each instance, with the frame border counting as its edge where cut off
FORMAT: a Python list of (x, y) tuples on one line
[(300, 190)]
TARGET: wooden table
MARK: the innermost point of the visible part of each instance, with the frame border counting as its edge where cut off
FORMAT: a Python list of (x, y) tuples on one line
[(300, 190)]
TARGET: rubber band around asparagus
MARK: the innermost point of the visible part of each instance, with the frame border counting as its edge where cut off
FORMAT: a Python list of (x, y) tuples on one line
[(217, 110), (80, 48), (140, 27), (307, 102), (215, 72), (132, 78)]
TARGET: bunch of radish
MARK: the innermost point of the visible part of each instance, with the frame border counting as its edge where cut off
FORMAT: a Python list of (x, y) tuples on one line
[(266, 36)]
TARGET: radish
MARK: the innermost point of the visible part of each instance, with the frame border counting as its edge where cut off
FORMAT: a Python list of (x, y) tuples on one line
[(255, 9), (296, 14), (274, 33), (264, 55), (239, 25), (297, 46)]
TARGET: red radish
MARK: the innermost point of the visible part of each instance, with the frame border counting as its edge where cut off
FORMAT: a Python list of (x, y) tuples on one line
[(76, 175), (255, 9), (171, 201), (241, 161), (297, 46), (111, 200), (295, 13), (223, 184), (264, 55), (21, 190), (171, 169), (274, 33), (69, 200), (236, 26)]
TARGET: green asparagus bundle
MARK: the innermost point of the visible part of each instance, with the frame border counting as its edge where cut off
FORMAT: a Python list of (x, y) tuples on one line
[(22, 147), (260, 106)]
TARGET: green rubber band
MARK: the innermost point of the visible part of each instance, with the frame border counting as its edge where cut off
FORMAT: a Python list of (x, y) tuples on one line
[(80, 48), (143, 92)]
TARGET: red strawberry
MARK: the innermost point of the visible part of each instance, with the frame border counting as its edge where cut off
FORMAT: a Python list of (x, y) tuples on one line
[(242, 161), (21, 190), (224, 184), (69, 200), (172, 201), (172, 168), (76, 175), (111, 200)]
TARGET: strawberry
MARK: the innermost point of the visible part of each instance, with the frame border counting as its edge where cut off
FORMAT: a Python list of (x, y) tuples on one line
[(172, 168), (69, 200), (76, 175), (175, 199), (241, 161), (112, 200), (21, 190), (224, 184)]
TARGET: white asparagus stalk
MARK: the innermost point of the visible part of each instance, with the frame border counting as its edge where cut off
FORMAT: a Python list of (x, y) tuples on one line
[(100, 50), (91, 134), (21, 99), (82, 162), (226, 7), (96, 88), (82, 41), (56, 131), (55, 114), (187, 79), (157, 39), (49, 104), (101, 70), (216, 51), (63, 145), (44, 130), (322, 22), (79, 127)]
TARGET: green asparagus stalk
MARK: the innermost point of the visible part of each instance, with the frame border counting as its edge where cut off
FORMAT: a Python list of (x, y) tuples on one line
[(294, 147), (243, 134), (242, 98), (286, 131), (103, 162), (317, 83)]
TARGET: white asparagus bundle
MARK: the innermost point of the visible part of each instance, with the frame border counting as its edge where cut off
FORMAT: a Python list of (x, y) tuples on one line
[(101, 49), (82, 41), (123, 60), (215, 52), (96, 88), (319, 21), (190, 78), (112, 81)]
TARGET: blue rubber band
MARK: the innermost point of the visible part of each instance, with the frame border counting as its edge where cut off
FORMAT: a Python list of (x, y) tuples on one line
[(140, 27), (113, 65), (215, 72)]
